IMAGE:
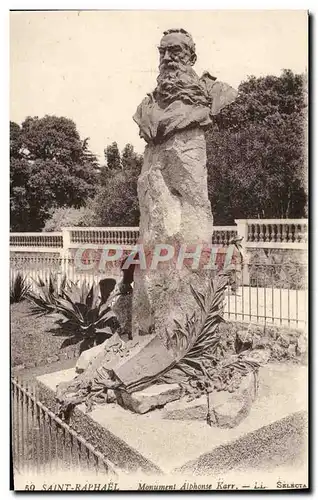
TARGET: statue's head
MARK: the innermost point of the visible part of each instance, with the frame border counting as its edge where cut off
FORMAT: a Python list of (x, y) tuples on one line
[(176, 49), (177, 79)]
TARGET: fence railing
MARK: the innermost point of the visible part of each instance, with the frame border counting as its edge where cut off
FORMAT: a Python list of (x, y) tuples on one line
[(256, 233), (42, 442), (39, 254), (34, 266), (271, 293), (276, 294)]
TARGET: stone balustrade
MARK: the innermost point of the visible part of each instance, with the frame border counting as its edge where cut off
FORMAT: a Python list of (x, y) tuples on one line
[(273, 233), (103, 235), (40, 254), (277, 231), (256, 233), (36, 240), (222, 235)]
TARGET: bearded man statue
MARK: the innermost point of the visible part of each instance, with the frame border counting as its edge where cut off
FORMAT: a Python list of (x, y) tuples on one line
[(172, 187), (181, 99), (176, 217)]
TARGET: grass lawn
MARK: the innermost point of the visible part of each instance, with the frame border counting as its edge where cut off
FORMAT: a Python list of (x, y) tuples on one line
[(32, 338)]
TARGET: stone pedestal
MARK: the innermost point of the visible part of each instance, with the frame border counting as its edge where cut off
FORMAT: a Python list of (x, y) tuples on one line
[(177, 438), (174, 210)]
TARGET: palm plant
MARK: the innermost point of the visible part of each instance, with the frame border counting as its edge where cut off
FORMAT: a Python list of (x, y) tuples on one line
[(84, 315), (19, 289)]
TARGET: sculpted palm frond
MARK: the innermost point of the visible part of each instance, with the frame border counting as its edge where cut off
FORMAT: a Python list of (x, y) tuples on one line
[(212, 307), (206, 362)]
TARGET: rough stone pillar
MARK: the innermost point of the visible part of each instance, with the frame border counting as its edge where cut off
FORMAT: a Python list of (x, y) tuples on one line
[(174, 210)]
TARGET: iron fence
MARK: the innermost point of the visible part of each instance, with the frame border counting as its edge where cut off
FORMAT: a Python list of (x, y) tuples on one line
[(275, 294), (43, 443), (260, 292)]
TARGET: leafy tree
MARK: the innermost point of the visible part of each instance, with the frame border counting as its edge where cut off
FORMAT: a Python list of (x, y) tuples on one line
[(50, 166), (116, 202), (129, 158), (89, 158), (52, 138), (256, 151), (69, 217), (113, 163), (112, 156), (15, 140)]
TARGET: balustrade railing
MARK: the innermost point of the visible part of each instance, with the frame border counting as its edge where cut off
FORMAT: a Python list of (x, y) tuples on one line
[(222, 235), (104, 235), (59, 255), (46, 240), (255, 233), (277, 231)]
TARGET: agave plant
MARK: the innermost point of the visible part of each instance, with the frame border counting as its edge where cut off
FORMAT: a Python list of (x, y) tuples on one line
[(19, 289), (45, 299), (84, 315)]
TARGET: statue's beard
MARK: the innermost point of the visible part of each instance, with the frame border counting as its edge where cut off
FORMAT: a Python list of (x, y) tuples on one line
[(177, 81)]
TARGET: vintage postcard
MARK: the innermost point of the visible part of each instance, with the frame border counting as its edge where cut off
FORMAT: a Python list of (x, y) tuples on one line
[(158, 250)]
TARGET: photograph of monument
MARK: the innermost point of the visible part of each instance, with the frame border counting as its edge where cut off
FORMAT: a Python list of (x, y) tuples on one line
[(158, 250)]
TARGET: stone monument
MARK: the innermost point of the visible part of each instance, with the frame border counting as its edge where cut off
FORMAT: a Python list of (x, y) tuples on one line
[(176, 218), (172, 188)]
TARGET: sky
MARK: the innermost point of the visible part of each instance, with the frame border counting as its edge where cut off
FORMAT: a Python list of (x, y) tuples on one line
[(95, 67)]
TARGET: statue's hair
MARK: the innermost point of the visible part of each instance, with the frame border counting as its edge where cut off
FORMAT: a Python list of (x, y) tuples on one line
[(190, 41)]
